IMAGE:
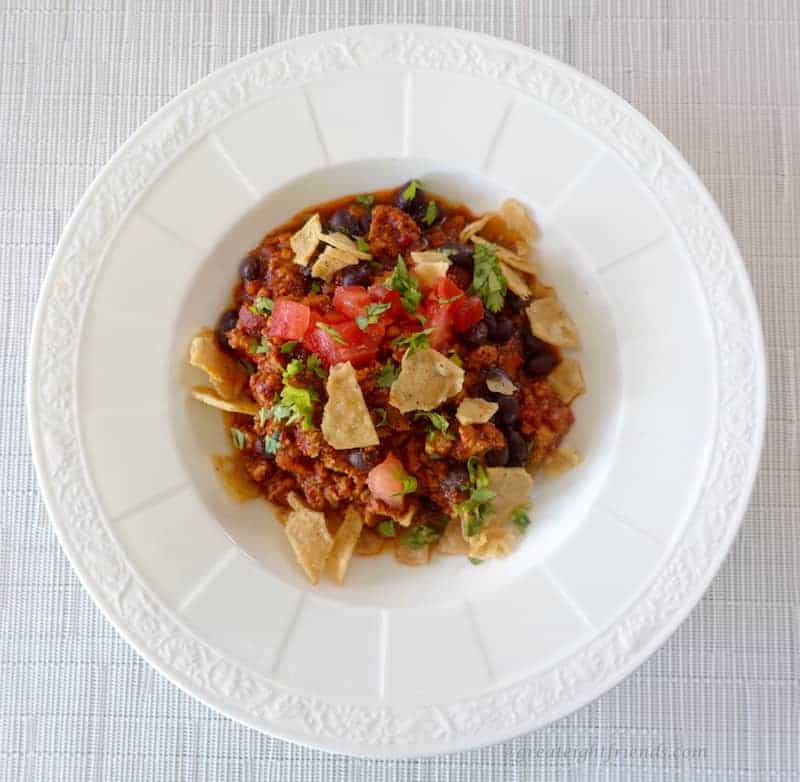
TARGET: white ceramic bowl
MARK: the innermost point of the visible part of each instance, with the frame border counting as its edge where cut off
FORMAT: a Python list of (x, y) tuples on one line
[(398, 661)]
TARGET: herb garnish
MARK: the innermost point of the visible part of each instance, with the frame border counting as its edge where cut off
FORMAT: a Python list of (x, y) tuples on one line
[(248, 365), (476, 561), (409, 483), (362, 244), (272, 443), (431, 213), (386, 528), (367, 199), (488, 281), (316, 287), (519, 517), (383, 416), (410, 191), (294, 367), (406, 285), (263, 415), (436, 423), (419, 536), (314, 364), (478, 504), (372, 313), (415, 341), (239, 438), (288, 347), (387, 375), (262, 305), (332, 333), (296, 405), (262, 346)]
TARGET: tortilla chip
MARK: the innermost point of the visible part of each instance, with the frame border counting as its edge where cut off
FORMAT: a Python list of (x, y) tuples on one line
[(560, 461), (541, 291), (516, 282), (567, 380), (429, 256), (508, 257), (551, 323), (517, 220), (429, 271), (426, 379), (407, 516), (512, 488), (305, 241), (369, 543), (412, 556), (499, 384), (295, 501), (343, 242), (330, 261), (475, 227), (452, 540), (346, 422), (309, 537), (224, 372), (493, 542), (344, 543), (235, 478), (475, 411), (208, 396)]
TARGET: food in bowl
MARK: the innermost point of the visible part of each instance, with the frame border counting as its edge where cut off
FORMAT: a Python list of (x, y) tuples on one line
[(391, 367)]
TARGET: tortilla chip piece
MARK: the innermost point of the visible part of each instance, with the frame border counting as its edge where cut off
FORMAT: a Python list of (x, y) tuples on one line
[(426, 379), (475, 411), (346, 422), (508, 257), (412, 556), (429, 256), (331, 261), (541, 291), (305, 241), (296, 502), (512, 488), (567, 380), (517, 219), (560, 461), (516, 282), (499, 384), (551, 323), (310, 540), (234, 478), (429, 267), (369, 543), (492, 543), (407, 516), (344, 544), (343, 242), (224, 372), (475, 227), (208, 396), (452, 540)]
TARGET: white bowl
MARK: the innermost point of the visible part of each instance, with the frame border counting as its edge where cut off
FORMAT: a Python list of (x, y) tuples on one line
[(398, 661)]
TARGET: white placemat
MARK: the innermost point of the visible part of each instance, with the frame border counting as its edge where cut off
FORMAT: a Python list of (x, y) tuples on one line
[(721, 700)]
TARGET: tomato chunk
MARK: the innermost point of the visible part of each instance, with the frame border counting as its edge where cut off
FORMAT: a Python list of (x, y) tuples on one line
[(336, 341), (385, 481), (351, 300), (384, 295), (468, 311), (289, 319), (440, 308)]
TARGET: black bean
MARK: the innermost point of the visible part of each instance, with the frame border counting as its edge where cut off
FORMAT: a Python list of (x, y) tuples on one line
[(478, 334), (536, 366), (460, 254), (460, 277), (455, 478), (227, 322), (517, 448), (491, 322), (364, 458), (533, 345), (358, 274), (508, 410), (498, 457), (503, 329), (416, 205), (344, 221), (250, 268), (514, 302)]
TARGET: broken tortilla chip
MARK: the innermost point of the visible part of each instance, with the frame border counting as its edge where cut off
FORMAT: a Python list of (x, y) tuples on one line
[(234, 478), (412, 556), (517, 220), (567, 380), (551, 323), (344, 543), (369, 543), (429, 267), (475, 411), (475, 227), (426, 379), (492, 542), (452, 540), (501, 384), (343, 242), (224, 372), (310, 540), (346, 422), (305, 241), (516, 282), (508, 257), (332, 260), (512, 488), (210, 397), (560, 461)]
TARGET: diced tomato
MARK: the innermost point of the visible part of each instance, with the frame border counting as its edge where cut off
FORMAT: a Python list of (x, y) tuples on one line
[(289, 319), (445, 289), (468, 311), (250, 322), (384, 295), (384, 481), (358, 347), (440, 311), (351, 300)]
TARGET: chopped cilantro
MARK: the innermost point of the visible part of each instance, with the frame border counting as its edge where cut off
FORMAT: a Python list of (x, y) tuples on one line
[(367, 199), (248, 365), (386, 528), (519, 517), (456, 359), (316, 287), (262, 346), (314, 364), (409, 483), (410, 191), (451, 299), (415, 341), (288, 347), (383, 416), (476, 561), (372, 314), (436, 421), (431, 213), (272, 443), (419, 536), (478, 504), (332, 332), (405, 285), (488, 281), (362, 244), (387, 375), (294, 367), (296, 405), (239, 438), (263, 415), (262, 305)]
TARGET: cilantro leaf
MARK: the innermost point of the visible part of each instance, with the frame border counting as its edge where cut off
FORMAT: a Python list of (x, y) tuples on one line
[(316, 287), (419, 536), (294, 367), (387, 375), (367, 199), (451, 299), (436, 421), (476, 561), (409, 483), (362, 244), (431, 213), (248, 365), (288, 347), (456, 359), (478, 505), (262, 305), (296, 406), (386, 528), (263, 415), (410, 191), (239, 438), (519, 517), (372, 314), (415, 341), (332, 333), (383, 416), (262, 346), (272, 443), (406, 285), (314, 364), (488, 281)]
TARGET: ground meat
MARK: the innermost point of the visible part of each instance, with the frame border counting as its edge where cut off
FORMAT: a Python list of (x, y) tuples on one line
[(476, 440), (544, 418), (282, 276), (265, 385), (391, 232), (446, 231)]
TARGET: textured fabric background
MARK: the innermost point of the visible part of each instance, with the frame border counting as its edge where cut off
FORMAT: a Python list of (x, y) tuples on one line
[(721, 700)]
